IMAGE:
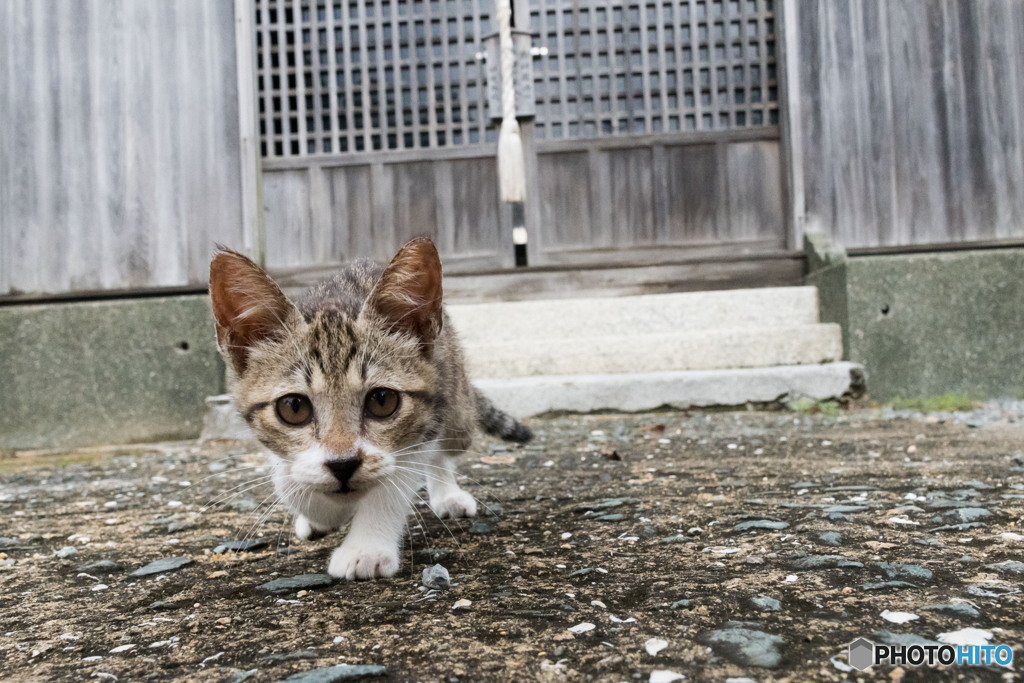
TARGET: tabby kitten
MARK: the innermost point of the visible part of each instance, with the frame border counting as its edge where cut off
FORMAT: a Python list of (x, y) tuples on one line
[(360, 392)]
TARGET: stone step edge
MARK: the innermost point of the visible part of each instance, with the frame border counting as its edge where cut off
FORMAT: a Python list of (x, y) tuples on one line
[(645, 353), (525, 397)]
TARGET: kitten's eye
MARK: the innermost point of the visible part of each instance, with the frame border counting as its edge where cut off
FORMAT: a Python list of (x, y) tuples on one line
[(294, 409), (381, 403)]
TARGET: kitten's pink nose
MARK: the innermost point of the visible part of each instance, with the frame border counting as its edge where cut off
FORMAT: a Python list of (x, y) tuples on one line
[(343, 470)]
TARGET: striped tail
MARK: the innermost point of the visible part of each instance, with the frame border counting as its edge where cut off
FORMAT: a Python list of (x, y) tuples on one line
[(498, 423)]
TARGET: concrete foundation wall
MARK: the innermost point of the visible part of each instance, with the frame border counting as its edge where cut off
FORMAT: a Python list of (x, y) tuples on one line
[(930, 324), (106, 372)]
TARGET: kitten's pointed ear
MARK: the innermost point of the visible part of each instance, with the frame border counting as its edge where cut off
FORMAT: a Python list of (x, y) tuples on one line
[(248, 305), (408, 295)]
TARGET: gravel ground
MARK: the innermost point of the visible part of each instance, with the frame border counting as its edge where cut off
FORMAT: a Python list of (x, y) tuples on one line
[(725, 546)]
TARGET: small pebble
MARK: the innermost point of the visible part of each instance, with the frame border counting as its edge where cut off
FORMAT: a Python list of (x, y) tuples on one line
[(655, 645), (437, 578)]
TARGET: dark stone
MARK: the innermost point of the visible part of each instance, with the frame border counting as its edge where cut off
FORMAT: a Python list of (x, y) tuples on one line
[(167, 564), (100, 567), (1008, 567), (296, 583), (832, 538), (678, 538), (966, 515), (291, 656), (912, 571), (747, 647), (481, 528), (823, 562), (761, 524), (766, 604), (240, 546), (337, 673), (887, 584), (957, 610), (958, 527)]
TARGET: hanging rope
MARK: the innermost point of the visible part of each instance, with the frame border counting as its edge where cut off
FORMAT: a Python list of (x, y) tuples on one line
[(511, 168)]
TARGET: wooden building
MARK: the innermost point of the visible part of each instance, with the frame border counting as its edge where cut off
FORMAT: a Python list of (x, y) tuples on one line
[(695, 138)]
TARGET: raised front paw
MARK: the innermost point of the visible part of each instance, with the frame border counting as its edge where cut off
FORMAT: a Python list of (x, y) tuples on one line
[(363, 561), (305, 530), (455, 503)]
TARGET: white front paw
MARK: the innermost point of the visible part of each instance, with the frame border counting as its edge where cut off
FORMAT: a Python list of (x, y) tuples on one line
[(305, 530), (363, 561), (455, 503)]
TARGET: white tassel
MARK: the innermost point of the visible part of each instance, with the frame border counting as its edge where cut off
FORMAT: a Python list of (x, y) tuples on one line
[(511, 167)]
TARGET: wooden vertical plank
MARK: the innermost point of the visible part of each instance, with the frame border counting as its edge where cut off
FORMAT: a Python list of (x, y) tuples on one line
[(696, 198), (444, 205), (601, 228), (632, 202), (382, 192), (660, 194), (1005, 151), (755, 194)]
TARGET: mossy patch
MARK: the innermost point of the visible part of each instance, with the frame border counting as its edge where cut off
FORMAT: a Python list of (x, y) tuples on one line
[(930, 404)]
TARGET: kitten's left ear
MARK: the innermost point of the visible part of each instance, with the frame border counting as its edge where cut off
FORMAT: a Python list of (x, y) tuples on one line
[(248, 305), (409, 293)]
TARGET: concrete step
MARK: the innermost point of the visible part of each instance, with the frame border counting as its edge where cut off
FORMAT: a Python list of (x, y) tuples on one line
[(495, 323), (525, 397), (702, 350)]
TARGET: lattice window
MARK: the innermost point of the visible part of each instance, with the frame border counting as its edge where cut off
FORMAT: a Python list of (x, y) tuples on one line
[(366, 75), (339, 76), (647, 66)]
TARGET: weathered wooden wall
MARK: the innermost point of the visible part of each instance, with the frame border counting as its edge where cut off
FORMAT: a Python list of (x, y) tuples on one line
[(908, 118), (119, 143)]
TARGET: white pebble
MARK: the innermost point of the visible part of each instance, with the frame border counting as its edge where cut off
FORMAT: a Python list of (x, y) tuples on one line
[(100, 587), (665, 676), (655, 645), (110, 504), (898, 617), (462, 604), (94, 658), (965, 636), (174, 503), (598, 603), (122, 648), (582, 628), (566, 536), (791, 578), (549, 463), (338, 639)]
